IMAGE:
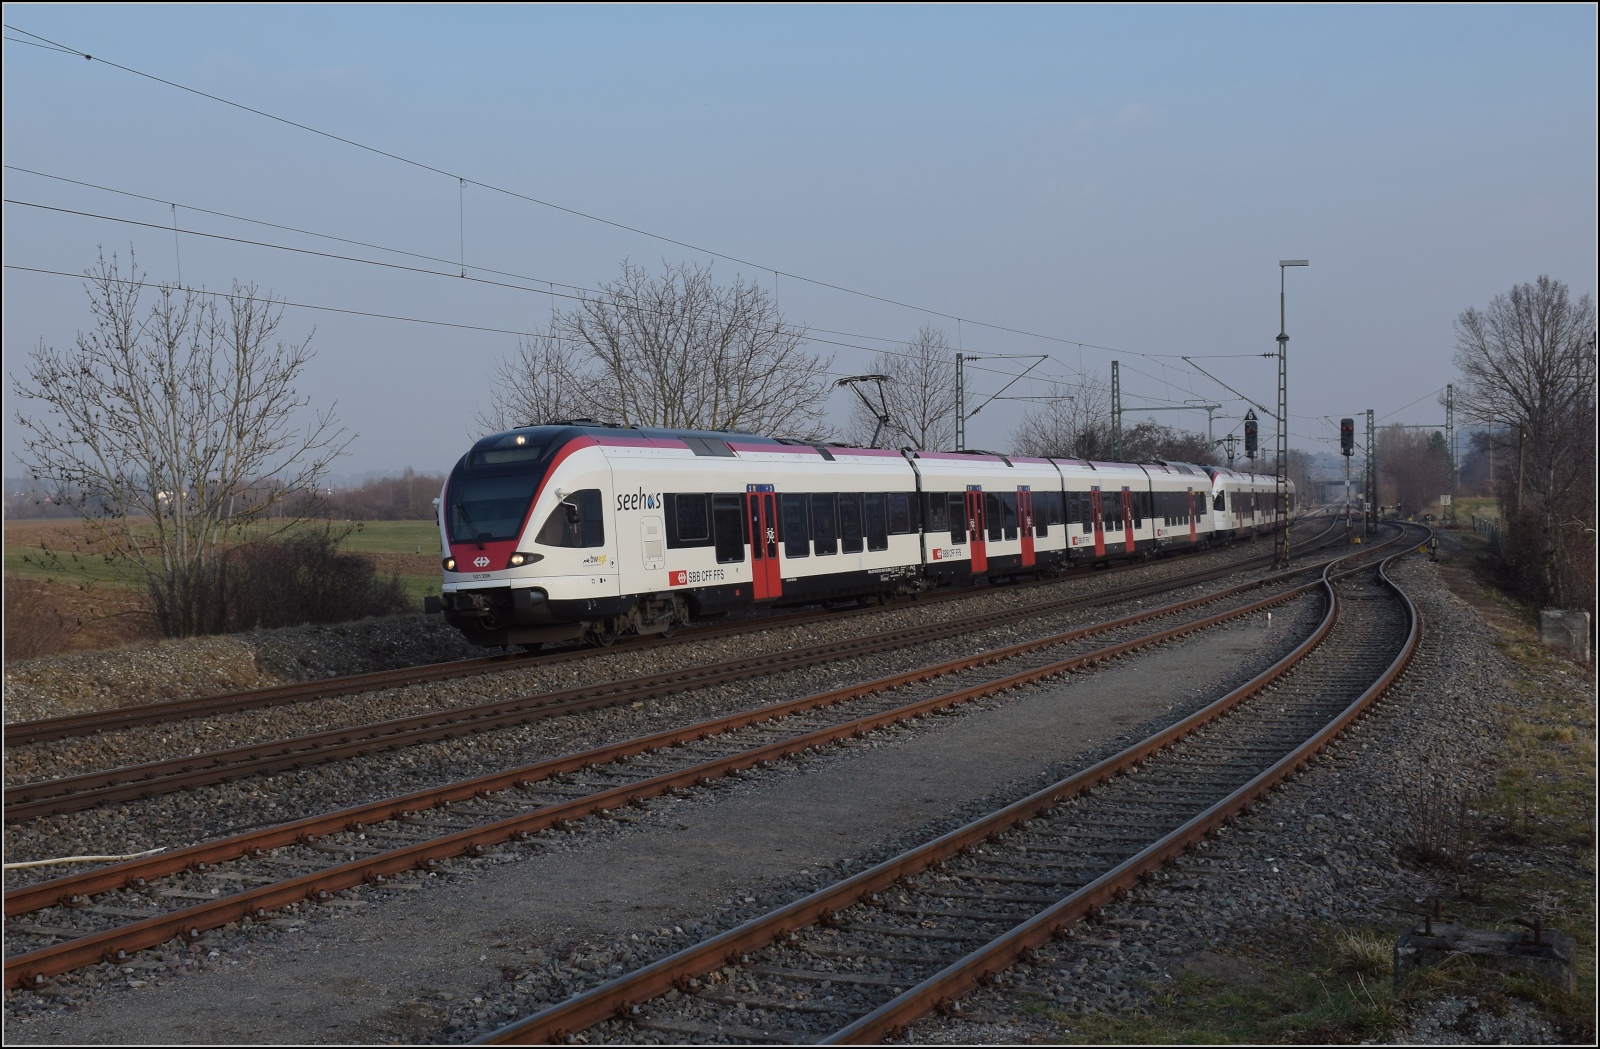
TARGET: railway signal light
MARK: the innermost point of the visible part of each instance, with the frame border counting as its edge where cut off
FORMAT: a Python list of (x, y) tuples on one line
[(1250, 442), (1347, 436)]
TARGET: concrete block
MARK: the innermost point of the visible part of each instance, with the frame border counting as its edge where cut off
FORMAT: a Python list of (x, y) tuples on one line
[(1566, 630), (1549, 955)]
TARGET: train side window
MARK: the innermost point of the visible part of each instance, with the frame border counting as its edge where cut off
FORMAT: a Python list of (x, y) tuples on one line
[(727, 513), (690, 520), (958, 517), (850, 530), (1217, 503), (877, 521), (938, 516), (576, 521), (899, 513), (991, 511), (796, 533), (1008, 510), (1046, 512), (824, 526)]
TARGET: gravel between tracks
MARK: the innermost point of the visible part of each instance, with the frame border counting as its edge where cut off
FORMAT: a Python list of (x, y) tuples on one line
[(180, 818), (55, 685), (427, 985), (1330, 848)]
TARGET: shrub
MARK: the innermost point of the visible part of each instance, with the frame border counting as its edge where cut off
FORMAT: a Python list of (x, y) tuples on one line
[(305, 579)]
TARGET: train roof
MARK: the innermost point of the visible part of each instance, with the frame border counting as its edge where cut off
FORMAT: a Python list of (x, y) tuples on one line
[(546, 436)]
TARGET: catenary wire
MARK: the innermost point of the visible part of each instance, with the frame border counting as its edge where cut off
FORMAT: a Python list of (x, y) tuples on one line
[(464, 180), (1013, 376)]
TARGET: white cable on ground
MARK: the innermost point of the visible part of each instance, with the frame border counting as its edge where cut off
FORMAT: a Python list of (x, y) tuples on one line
[(84, 859)]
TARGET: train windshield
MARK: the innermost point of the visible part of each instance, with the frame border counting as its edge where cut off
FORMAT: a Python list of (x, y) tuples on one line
[(484, 506)]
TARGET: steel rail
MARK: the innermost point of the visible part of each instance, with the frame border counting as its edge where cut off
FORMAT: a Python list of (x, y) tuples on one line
[(75, 793), (75, 889), (33, 967), (22, 733), (617, 998), (974, 970)]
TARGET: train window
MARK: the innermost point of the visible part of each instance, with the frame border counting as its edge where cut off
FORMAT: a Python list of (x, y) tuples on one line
[(1008, 511), (1217, 503), (957, 504), (489, 507), (525, 453), (707, 445), (877, 521), (899, 513), (690, 521), (850, 530), (824, 527), (938, 516), (991, 511), (727, 514), (576, 521), (796, 533)]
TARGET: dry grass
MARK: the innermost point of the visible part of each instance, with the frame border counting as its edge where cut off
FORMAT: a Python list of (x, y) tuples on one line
[(45, 617)]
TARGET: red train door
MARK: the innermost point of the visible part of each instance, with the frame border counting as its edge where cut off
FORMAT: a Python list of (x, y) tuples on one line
[(1095, 507), (1194, 520), (761, 507), (975, 530), (1025, 523), (1127, 516)]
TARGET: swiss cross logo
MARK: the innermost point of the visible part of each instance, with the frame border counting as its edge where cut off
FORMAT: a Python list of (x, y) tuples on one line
[(677, 578), (480, 562)]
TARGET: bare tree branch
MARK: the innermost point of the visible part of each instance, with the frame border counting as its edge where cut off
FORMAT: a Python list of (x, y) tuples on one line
[(675, 350), (920, 394), (173, 428)]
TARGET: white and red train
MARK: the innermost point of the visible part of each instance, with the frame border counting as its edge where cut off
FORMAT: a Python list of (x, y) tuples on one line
[(587, 530)]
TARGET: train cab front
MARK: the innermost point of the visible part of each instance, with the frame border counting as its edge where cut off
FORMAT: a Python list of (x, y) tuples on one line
[(519, 538)]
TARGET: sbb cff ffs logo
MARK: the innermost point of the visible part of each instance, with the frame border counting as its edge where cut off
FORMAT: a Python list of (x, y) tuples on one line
[(480, 562)]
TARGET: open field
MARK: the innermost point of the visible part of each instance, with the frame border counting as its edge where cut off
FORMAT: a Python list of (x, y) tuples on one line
[(60, 551), (67, 597)]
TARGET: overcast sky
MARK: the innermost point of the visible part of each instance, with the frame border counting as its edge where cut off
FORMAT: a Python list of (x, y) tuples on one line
[(1122, 177)]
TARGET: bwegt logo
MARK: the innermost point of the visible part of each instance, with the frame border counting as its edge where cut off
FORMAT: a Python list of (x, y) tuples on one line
[(640, 500)]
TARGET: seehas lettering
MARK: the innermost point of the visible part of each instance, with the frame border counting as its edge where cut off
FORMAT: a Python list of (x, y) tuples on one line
[(640, 500)]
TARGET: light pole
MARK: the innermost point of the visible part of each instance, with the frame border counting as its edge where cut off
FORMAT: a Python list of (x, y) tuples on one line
[(1280, 549)]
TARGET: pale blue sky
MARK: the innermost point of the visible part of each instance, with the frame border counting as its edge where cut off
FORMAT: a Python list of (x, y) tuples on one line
[(1123, 176)]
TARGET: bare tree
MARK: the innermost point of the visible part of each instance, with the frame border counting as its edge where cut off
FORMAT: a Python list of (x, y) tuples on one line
[(675, 350), (1301, 463), (1528, 366), (920, 395), (538, 383), (171, 429), (1413, 467), (1151, 440), (1074, 422)]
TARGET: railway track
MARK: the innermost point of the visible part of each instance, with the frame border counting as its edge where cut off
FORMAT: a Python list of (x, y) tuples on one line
[(862, 959), (88, 723), (108, 913), (76, 793)]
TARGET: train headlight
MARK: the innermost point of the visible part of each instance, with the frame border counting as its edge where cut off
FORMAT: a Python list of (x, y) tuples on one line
[(449, 564), (519, 559)]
